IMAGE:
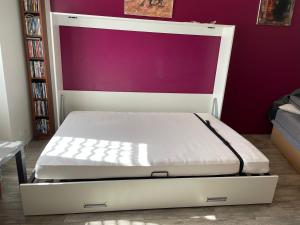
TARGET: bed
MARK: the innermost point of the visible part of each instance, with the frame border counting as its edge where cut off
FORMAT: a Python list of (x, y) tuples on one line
[(106, 161), (99, 145), (133, 150)]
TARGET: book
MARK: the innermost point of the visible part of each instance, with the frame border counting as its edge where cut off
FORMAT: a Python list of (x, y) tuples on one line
[(31, 5), (39, 90), (35, 48), (41, 108), (37, 69), (42, 126), (33, 26)]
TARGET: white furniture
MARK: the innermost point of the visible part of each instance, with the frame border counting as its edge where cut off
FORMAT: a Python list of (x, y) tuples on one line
[(77, 196), (10, 150), (66, 101), (115, 195), (89, 167)]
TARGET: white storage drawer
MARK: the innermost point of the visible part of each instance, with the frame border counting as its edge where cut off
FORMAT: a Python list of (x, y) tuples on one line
[(96, 196)]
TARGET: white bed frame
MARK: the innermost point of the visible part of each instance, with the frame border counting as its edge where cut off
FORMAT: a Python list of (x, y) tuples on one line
[(133, 101), (111, 195)]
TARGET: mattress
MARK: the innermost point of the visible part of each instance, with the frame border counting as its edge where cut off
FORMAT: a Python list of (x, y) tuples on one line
[(98, 145), (289, 125)]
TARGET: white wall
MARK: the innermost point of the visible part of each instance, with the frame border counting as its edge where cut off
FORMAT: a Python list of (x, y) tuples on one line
[(15, 78), (5, 129)]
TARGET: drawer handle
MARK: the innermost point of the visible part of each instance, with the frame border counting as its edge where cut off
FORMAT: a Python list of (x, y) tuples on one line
[(97, 205), (217, 199)]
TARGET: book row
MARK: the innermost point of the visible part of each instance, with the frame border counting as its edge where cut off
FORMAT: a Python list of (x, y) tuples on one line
[(31, 5), (39, 90), (35, 48), (41, 108), (37, 69), (42, 126), (33, 25)]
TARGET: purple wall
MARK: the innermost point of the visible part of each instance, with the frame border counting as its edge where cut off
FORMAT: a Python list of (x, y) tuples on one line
[(265, 59), (110, 60)]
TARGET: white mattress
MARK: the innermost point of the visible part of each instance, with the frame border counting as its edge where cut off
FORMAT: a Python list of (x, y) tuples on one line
[(94, 145)]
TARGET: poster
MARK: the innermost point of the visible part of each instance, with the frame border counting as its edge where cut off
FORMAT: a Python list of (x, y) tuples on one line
[(275, 12), (152, 8)]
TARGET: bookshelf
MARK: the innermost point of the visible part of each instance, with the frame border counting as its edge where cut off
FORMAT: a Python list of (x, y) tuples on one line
[(37, 60)]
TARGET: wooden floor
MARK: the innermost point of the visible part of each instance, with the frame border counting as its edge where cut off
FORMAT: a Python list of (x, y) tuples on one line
[(284, 211)]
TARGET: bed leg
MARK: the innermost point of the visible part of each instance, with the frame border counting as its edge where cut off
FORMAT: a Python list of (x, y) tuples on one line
[(21, 167)]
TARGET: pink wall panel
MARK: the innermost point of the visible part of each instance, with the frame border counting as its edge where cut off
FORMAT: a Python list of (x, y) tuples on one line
[(265, 59), (110, 60)]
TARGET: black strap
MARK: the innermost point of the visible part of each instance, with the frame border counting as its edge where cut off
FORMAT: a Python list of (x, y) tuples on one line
[(207, 124)]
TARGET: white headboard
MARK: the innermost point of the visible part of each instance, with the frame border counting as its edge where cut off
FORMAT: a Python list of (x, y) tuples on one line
[(67, 101)]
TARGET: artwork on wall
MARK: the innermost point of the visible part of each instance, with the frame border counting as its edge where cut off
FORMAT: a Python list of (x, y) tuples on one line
[(153, 8), (275, 12)]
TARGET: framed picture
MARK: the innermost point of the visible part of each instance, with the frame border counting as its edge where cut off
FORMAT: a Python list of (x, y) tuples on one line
[(275, 12), (153, 8)]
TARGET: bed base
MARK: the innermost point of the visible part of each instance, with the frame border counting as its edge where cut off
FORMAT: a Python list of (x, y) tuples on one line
[(136, 194)]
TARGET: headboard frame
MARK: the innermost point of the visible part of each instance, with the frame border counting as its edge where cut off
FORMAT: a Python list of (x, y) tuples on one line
[(66, 101)]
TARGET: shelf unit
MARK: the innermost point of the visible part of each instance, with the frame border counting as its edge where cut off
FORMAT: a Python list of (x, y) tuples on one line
[(38, 70)]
